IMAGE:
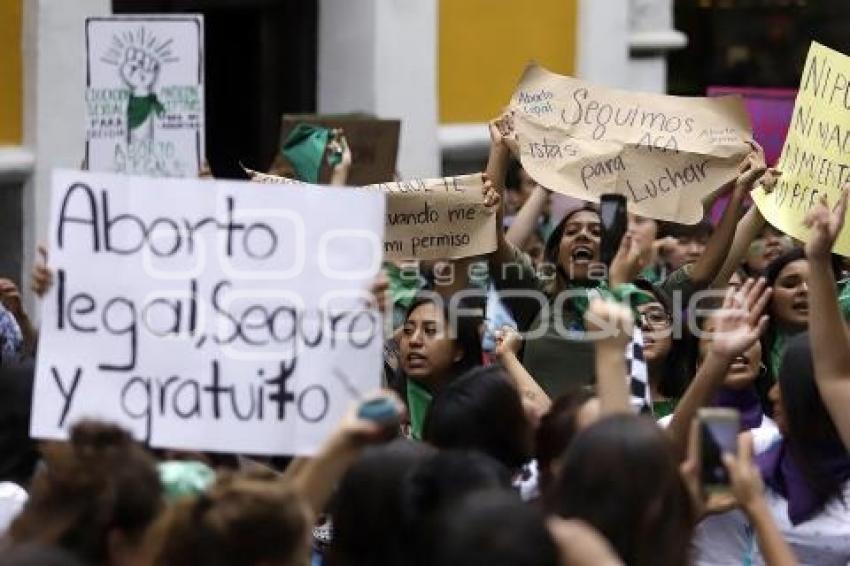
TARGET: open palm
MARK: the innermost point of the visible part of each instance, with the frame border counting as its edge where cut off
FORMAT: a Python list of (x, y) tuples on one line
[(740, 322), (825, 225)]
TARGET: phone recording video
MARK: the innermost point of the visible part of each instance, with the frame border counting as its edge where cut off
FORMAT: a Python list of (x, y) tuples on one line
[(612, 215), (718, 432)]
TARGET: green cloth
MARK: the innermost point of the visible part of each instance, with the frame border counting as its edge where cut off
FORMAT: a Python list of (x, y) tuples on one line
[(139, 108), (402, 289), (418, 401), (184, 478), (777, 351), (304, 148), (664, 408)]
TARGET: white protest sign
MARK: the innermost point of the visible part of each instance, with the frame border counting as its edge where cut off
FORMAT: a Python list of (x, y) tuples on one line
[(208, 315), (145, 95)]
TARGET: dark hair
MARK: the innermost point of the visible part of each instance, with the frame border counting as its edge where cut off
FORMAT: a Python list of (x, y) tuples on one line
[(439, 482), (557, 429), (241, 519), (676, 230), (495, 528), (37, 555), (620, 475), (369, 507), (675, 372), (19, 450), (98, 481), (481, 410), (811, 436), (775, 267)]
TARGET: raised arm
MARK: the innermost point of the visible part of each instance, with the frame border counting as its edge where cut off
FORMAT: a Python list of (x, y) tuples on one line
[(829, 338), (740, 322), (749, 227), (611, 326), (502, 143), (317, 477), (525, 222), (508, 345), (748, 488), (705, 269)]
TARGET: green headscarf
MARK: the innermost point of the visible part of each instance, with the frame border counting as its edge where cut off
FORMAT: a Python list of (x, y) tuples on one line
[(305, 148)]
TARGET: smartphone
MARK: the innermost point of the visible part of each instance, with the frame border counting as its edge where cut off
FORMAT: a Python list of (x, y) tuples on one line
[(612, 214), (718, 435)]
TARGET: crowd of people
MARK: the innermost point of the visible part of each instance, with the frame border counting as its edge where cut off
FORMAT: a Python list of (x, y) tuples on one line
[(549, 418)]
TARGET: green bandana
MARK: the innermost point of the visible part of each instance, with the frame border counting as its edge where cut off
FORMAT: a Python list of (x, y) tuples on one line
[(418, 401), (626, 293), (139, 108), (402, 289), (305, 148)]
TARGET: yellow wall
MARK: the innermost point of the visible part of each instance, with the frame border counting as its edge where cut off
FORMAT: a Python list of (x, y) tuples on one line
[(11, 76), (485, 45)]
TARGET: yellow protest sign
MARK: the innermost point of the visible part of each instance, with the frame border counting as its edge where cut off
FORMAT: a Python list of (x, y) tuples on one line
[(664, 153), (815, 160), (443, 218)]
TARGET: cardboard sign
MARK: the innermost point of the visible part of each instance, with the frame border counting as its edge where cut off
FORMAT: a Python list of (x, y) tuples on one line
[(428, 219), (816, 158), (373, 143), (208, 315), (145, 95), (664, 153), (770, 112)]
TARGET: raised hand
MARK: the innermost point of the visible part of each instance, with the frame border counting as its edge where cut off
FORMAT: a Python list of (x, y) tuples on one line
[(740, 321), (508, 341), (42, 275), (607, 321), (502, 132), (825, 225), (492, 196), (752, 170), (630, 260), (744, 475)]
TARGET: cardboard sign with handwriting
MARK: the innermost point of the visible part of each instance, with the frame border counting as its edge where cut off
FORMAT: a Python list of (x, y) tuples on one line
[(664, 153), (815, 161), (442, 218)]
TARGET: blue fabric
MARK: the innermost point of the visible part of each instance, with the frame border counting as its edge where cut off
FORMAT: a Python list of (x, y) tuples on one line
[(11, 338)]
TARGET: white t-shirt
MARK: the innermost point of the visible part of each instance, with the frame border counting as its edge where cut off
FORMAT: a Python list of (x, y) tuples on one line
[(823, 540), (726, 539)]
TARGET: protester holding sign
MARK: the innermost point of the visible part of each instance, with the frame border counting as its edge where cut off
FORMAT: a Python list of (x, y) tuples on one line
[(572, 251)]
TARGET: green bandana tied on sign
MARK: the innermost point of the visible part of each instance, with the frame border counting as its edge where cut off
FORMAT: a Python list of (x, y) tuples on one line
[(139, 108), (305, 148)]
